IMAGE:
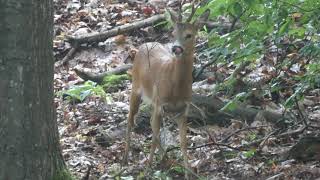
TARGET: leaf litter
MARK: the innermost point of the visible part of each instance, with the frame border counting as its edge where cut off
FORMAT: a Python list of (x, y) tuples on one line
[(92, 131)]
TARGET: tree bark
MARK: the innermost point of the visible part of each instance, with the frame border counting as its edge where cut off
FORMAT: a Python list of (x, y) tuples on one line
[(29, 143)]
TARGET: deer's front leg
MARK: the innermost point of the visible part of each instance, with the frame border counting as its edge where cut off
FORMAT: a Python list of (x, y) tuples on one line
[(155, 126), (182, 125)]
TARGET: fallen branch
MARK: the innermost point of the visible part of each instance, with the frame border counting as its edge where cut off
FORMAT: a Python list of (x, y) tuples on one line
[(306, 149), (286, 134), (204, 145), (98, 77), (87, 175), (240, 130), (215, 144), (102, 36), (69, 55), (245, 146)]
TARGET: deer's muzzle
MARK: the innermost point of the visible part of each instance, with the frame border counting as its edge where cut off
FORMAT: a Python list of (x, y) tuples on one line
[(177, 50)]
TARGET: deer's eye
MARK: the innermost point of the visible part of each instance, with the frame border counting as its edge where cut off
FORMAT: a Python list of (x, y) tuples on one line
[(188, 36)]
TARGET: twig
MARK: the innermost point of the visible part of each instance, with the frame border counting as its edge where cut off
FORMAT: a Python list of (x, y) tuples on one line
[(303, 118), (267, 137), (87, 175), (239, 148), (291, 133), (217, 144), (204, 145), (277, 176), (312, 126), (69, 55), (240, 130)]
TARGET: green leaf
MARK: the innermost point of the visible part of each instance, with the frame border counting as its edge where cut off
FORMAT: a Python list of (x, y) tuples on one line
[(217, 7), (295, 96), (230, 106), (229, 155), (237, 9), (249, 154), (85, 94), (234, 9), (178, 169), (250, 3), (284, 28), (297, 32)]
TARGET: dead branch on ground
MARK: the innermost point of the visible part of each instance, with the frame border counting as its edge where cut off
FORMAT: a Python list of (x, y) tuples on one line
[(102, 36), (98, 77)]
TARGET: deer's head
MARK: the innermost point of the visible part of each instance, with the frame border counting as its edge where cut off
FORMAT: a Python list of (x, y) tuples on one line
[(184, 33)]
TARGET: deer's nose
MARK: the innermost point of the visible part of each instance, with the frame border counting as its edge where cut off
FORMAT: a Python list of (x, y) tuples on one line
[(177, 50)]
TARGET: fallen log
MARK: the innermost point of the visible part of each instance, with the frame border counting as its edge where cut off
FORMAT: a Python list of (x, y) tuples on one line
[(102, 36), (306, 149), (210, 107), (98, 77)]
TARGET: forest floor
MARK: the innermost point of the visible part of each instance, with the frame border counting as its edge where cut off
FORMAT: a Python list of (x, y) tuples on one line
[(92, 130)]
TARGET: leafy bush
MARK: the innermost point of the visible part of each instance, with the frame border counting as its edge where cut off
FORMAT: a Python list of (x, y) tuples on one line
[(258, 27)]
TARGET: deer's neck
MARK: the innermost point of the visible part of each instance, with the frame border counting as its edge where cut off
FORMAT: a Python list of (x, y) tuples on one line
[(184, 66), (182, 76)]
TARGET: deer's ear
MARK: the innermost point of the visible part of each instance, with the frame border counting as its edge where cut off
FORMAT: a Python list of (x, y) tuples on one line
[(202, 19), (173, 16)]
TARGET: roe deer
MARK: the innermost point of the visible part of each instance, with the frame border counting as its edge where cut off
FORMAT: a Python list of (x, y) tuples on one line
[(164, 77)]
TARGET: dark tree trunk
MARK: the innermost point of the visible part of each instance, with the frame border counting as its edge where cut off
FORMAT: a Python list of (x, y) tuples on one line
[(29, 143)]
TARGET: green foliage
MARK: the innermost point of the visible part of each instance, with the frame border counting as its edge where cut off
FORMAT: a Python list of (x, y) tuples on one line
[(177, 169), (234, 103), (80, 92), (141, 176), (271, 162), (252, 136), (250, 153), (114, 80), (258, 23)]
